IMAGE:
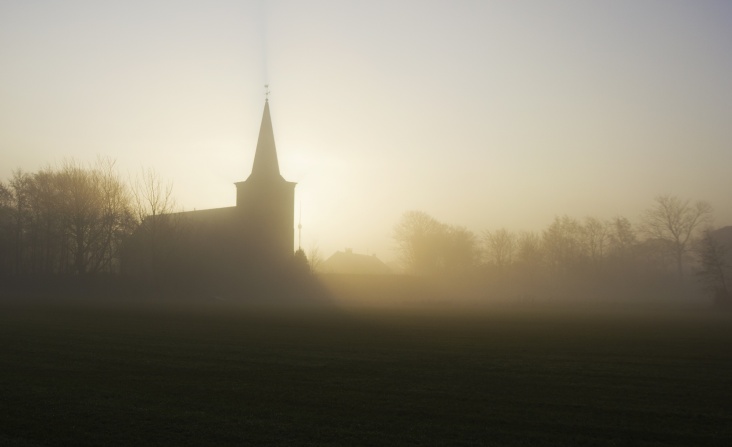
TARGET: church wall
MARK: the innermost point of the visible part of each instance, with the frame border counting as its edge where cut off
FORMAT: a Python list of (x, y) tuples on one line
[(269, 210)]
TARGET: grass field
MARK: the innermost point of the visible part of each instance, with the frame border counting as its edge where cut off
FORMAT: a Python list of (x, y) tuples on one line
[(218, 374)]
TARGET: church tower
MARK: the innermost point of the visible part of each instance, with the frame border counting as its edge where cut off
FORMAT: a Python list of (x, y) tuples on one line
[(266, 200)]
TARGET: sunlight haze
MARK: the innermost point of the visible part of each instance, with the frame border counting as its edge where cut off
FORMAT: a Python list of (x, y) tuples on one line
[(483, 114)]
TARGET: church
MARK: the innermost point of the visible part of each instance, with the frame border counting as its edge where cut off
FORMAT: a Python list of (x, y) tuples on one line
[(254, 235), (263, 220), (265, 200)]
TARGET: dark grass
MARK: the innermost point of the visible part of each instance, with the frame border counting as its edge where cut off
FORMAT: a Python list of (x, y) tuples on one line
[(218, 374)]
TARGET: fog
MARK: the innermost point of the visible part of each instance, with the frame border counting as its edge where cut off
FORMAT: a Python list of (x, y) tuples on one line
[(365, 223), (484, 115)]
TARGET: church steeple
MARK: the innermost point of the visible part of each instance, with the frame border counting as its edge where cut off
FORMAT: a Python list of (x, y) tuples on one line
[(265, 157), (266, 201)]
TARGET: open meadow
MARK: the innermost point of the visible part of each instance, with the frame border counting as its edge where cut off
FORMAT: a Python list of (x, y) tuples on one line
[(216, 373)]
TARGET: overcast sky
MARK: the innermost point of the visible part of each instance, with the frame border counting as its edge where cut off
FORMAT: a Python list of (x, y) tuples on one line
[(483, 114)]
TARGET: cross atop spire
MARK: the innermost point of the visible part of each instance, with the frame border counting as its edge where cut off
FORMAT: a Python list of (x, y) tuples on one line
[(266, 92)]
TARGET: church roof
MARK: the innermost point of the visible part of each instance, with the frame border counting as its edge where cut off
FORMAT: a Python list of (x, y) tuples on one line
[(266, 165), (211, 215)]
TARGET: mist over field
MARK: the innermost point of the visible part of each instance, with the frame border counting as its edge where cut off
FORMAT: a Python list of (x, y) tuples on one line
[(365, 223), (485, 115)]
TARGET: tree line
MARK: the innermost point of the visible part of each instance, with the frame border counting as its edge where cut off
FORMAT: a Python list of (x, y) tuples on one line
[(575, 257), (73, 220), (82, 229), (76, 220)]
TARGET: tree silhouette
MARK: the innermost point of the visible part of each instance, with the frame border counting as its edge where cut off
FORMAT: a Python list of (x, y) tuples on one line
[(621, 237), (427, 246), (69, 220), (418, 237), (674, 221), (499, 247), (157, 226), (6, 234), (595, 235)]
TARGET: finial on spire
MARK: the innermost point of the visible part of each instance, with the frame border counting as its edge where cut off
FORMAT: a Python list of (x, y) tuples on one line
[(266, 92)]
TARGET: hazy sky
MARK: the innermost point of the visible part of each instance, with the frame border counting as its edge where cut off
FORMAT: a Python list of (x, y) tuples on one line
[(483, 114)]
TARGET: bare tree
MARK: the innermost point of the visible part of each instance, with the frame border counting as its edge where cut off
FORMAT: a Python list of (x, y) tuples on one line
[(562, 243), (67, 220), (5, 195), (595, 236), (675, 221), (529, 263), (314, 257), (84, 207), (499, 247), (20, 190), (6, 234), (117, 215), (48, 222), (459, 250), (621, 237), (153, 205), (152, 197), (418, 238), (427, 246), (529, 250)]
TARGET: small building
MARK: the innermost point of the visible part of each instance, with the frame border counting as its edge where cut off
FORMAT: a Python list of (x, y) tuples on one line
[(348, 262)]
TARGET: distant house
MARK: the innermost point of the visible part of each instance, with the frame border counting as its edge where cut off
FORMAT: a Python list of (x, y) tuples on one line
[(348, 262)]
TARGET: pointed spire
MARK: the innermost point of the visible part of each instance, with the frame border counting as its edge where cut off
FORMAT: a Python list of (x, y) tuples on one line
[(265, 158)]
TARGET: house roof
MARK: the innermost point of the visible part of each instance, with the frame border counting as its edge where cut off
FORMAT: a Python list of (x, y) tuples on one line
[(349, 262)]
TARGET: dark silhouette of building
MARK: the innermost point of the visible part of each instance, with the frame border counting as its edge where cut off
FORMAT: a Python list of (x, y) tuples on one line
[(266, 200), (256, 235), (348, 262), (262, 223)]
